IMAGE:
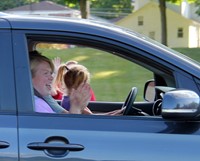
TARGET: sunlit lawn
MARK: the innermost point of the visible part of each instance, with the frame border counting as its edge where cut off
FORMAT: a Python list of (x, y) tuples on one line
[(111, 78), (193, 53)]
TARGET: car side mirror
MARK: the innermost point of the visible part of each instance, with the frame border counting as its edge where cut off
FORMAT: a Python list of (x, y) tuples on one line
[(180, 104), (149, 91)]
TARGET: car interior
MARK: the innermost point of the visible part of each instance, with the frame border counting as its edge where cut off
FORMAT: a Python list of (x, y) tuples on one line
[(150, 92)]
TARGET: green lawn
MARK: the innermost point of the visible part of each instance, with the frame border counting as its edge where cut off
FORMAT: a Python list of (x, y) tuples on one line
[(120, 80), (193, 53)]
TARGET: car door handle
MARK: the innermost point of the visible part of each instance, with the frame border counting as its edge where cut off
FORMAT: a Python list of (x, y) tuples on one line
[(55, 146), (4, 144)]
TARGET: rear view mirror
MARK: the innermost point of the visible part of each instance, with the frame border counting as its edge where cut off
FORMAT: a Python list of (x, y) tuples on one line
[(149, 91)]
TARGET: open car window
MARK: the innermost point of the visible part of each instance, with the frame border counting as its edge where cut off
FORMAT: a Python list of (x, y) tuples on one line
[(115, 70), (111, 76)]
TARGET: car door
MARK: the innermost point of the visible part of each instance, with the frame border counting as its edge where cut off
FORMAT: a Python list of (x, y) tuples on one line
[(8, 116), (78, 137), (48, 137)]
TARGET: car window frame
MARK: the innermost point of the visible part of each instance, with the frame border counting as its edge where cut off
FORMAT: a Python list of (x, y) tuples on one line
[(76, 38), (8, 103)]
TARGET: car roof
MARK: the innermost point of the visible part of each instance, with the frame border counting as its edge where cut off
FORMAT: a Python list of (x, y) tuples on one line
[(91, 27)]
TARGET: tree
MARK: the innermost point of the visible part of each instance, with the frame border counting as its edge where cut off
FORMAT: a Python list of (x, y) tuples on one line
[(111, 8), (198, 7), (82, 5), (84, 8), (4, 5), (162, 5), (101, 8), (8, 4)]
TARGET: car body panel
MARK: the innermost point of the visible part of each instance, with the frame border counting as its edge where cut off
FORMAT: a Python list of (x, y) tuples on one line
[(4, 24), (106, 141), (7, 83), (8, 106), (8, 136)]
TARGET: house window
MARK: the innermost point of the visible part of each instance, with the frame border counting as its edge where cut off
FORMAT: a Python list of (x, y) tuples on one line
[(180, 32), (152, 35), (140, 20)]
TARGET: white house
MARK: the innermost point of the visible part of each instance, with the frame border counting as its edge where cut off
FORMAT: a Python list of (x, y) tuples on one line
[(183, 25)]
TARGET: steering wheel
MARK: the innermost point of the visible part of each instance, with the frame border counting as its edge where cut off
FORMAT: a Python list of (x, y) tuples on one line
[(129, 101), (157, 107)]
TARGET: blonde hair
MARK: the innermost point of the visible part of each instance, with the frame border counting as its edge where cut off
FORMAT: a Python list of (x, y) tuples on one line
[(71, 62), (72, 77), (35, 59)]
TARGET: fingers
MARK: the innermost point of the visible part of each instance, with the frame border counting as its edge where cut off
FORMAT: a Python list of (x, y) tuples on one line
[(87, 111), (56, 61), (80, 97), (84, 88)]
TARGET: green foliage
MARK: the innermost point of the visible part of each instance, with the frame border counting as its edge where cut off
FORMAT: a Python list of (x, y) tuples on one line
[(9, 4), (198, 6), (197, 3), (111, 8), (103, 8), (4, 5), (179, 1), (69, 3)]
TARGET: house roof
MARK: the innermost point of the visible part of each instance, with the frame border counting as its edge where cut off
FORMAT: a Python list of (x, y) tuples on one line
[(48, 8), (40, 6)]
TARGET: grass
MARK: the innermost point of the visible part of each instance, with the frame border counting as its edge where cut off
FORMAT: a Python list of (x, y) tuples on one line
[(111, 76), (193, 53)]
